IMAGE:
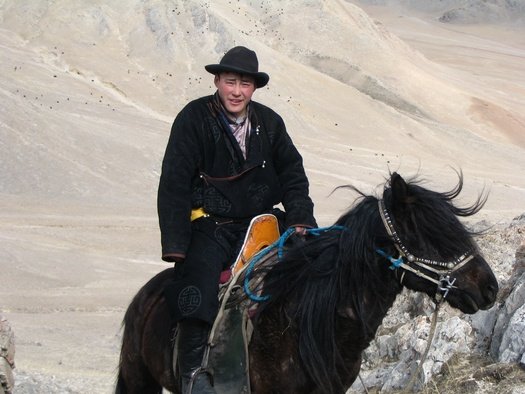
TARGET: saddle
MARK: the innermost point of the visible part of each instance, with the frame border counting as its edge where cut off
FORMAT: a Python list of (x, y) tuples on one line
[(229, 337)]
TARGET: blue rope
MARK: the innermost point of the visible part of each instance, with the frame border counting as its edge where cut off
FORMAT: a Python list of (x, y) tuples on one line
[(320, 230), (253, 262), (396, 263), (280, 252), (282, 239)]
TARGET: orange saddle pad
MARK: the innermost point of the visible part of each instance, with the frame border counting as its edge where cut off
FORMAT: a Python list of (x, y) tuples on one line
[(262, 232)]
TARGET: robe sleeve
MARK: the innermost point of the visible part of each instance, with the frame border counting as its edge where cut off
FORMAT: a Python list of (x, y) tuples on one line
[(179, 167)]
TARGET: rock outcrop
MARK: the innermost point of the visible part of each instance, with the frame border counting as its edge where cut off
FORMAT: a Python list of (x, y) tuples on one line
[(7, 357)]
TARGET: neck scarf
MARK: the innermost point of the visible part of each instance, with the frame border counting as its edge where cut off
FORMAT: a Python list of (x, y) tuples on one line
[(240, 127)]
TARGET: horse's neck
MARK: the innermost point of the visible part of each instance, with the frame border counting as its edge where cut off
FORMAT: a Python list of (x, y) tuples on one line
[(375, 303)]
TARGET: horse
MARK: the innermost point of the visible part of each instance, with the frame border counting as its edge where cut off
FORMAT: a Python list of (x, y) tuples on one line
[(327, 295)]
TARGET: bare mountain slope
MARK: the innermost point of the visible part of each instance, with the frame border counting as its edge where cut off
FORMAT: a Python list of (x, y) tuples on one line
[(336, 74)]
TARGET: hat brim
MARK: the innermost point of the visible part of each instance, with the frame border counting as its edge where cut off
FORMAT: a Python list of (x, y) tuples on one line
[(261, 79)]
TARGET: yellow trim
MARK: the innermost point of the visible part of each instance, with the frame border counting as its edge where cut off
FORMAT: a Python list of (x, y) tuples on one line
[(197, 214)]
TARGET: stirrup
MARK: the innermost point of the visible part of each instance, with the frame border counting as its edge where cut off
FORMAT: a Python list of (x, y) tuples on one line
[(194, 375)]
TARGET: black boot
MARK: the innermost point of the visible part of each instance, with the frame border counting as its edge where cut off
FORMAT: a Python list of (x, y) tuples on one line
[(192, 343)]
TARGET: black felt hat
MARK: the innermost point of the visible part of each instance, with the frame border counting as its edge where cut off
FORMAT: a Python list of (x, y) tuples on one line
[(243, 61)]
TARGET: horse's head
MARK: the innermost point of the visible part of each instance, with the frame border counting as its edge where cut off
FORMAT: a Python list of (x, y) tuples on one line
[(437, 254)]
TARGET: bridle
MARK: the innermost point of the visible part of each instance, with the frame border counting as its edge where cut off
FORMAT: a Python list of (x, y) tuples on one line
[(442, 269)]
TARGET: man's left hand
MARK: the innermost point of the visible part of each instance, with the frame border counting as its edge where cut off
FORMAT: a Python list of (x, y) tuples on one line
[(300, 230)]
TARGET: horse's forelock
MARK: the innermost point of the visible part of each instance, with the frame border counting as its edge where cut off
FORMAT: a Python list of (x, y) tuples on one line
[(434, 217), (433, 198)]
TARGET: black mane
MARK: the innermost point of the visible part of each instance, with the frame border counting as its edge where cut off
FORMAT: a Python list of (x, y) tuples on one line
[(333, 271)]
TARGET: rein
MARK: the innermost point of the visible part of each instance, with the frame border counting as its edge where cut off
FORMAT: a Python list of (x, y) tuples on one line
[(279, 245), (412, 380), (444, 269)]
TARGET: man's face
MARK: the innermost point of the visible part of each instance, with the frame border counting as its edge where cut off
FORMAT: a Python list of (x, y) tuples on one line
[(235, 91)]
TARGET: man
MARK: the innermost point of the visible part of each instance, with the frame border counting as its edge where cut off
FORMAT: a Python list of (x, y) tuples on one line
[(228, 159)]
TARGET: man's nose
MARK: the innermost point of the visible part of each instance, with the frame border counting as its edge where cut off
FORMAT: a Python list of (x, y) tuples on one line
[(237, 88)]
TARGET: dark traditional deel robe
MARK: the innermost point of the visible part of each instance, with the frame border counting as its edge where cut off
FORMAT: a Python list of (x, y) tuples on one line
[(204, 167)]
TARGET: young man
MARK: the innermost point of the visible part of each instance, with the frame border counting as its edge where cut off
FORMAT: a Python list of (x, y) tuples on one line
[(228, 159)]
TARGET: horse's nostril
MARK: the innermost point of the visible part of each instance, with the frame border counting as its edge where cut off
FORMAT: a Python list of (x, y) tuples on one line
[(492, 291)]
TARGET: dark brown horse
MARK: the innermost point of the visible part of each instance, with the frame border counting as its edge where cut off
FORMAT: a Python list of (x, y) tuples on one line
[(329, 294)]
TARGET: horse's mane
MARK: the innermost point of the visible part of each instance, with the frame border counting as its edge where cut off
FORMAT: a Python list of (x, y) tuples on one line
[(316, 275), (332, 270)]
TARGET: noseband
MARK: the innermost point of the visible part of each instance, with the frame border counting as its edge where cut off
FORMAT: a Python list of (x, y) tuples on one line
[(442, 269)]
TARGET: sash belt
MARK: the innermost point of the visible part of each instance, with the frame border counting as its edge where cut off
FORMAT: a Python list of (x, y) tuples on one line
[(198, 213)]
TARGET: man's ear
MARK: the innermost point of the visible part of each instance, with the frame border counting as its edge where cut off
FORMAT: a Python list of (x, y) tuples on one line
[(216, 80)]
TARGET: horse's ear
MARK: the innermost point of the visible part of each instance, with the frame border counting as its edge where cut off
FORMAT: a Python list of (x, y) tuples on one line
[(399, 189)]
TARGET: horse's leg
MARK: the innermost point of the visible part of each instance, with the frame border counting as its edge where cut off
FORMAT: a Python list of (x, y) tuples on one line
[(145, 358), (133, 376), (157, 346)]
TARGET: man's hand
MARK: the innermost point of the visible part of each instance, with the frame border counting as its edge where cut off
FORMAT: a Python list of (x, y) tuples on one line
[(300, 230)]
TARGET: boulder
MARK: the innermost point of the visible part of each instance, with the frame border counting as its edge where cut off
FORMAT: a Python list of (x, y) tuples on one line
[(7, 357)]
